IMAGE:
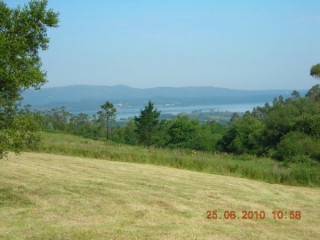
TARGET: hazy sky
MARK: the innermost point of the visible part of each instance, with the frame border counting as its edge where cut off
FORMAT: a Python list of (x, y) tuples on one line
[(258, 44)]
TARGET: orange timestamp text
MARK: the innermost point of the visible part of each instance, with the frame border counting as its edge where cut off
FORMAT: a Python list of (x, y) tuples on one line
[(251, 214)]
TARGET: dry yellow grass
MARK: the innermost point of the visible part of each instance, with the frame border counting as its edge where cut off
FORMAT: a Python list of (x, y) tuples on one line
[(45, 196)]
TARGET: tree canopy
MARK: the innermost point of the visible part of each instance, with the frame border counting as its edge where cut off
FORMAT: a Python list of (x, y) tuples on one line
[(315, 71), (23, 33)]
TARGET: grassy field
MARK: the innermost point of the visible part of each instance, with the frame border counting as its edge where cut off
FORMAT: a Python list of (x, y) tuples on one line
[(46, 196), (264, 169)]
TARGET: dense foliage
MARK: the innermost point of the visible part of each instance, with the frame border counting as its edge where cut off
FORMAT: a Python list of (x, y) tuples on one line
[(287, 130), (23, 32), (147, 124), (19, 130), (315, 71)]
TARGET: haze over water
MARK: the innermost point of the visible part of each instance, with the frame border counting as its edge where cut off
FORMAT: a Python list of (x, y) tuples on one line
[(123, 113)]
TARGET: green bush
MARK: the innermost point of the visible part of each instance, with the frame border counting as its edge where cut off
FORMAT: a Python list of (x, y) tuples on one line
[(242, 136), (297, 146)]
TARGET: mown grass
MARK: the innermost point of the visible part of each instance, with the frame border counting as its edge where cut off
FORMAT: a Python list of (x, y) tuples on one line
[(49, 196), (264, 169)]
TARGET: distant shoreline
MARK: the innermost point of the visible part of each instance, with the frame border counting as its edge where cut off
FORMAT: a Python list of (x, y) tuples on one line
[(124, 113)]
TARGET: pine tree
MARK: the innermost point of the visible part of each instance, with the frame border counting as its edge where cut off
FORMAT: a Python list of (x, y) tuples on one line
[(147, 124)]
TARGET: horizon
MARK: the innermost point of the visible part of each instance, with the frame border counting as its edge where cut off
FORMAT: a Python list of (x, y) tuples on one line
[(123, 85)]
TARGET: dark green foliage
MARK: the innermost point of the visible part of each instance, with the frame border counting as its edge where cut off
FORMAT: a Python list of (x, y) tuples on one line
[(278, 122), (126, 134), (261, 112), (315, 71), (23, 32), (147, 124), (308, 124), (297, 146), (206, 138), (162, 137), (314, 93), (287, 130), (295, 115), (182, 132), (243, 136), (19, 131)]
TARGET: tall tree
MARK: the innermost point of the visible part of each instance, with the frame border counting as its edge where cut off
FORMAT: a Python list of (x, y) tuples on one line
[(23, 33), (106, 116), (147, 124), (314, 92)]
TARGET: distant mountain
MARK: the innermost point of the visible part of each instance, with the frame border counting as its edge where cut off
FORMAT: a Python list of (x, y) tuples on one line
[(88, 98)]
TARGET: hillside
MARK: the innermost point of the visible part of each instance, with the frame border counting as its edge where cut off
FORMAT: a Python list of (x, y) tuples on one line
[(46, 196), (89, 98), (248, 166)]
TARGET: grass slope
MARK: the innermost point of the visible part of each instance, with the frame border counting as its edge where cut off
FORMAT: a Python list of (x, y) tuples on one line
[(46, 196), (265, 169)]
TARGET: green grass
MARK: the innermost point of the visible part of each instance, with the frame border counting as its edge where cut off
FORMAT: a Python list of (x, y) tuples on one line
[(263, 169), (49, 196)]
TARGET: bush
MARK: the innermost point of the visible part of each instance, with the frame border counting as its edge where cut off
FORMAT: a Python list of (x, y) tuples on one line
[(242, 136), (297, 146)]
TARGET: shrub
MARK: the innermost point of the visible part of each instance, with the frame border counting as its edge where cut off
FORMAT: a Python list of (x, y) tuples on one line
[(297, 146)]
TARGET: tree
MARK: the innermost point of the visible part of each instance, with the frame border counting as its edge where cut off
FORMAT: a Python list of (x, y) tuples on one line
[(314, 92), (297, 146), (243, 136), (20, 131), (23, 32), (106, 116), (57, 119), (295, 94), (147, 124), (315, 71), (235, 116), (80, 125), (182, 132), (126, 134)]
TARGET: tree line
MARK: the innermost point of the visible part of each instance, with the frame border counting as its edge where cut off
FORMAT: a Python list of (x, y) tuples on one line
[(146, 129), (288, 129)]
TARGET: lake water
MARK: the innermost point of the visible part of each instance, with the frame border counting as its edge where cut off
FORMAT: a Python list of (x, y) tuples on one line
[(238, 107)]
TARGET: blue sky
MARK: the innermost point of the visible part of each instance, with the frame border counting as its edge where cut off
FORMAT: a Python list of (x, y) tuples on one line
[(268, 44)]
